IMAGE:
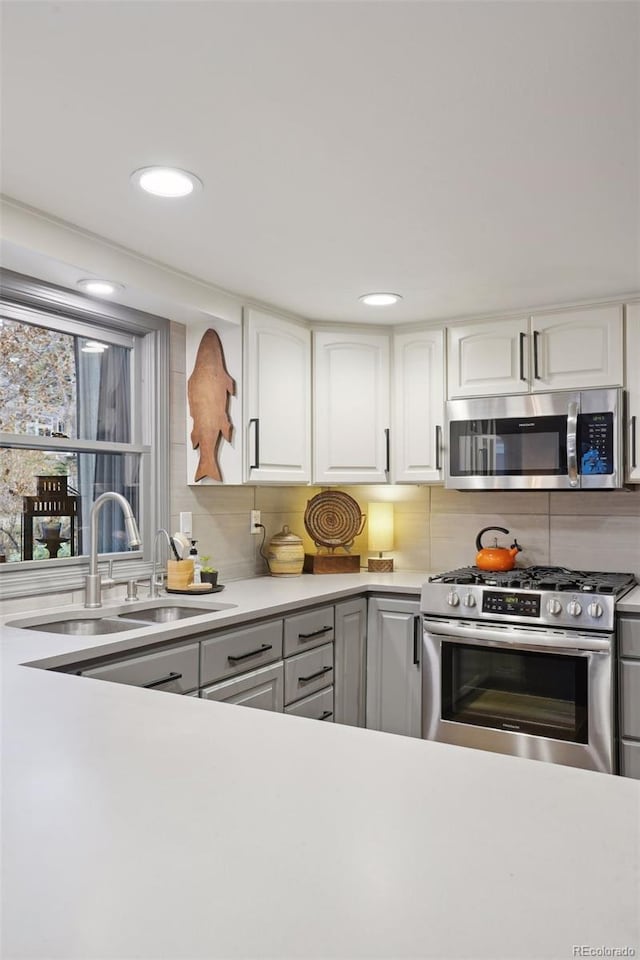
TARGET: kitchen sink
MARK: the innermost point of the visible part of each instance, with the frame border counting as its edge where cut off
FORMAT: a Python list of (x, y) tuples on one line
[(82, 627), (122, 617), (170, 614)]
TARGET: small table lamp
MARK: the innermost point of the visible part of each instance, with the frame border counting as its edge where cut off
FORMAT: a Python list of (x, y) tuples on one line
[(380, 525)]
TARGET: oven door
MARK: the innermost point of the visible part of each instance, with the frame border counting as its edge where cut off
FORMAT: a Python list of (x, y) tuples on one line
[(542, 694)]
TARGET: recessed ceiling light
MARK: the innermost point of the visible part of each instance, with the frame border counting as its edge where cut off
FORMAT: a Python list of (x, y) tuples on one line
[(380, 299), (99, 288), (166, 181)]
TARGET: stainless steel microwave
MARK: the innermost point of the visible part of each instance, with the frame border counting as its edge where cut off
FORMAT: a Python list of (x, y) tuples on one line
[(559, 441)]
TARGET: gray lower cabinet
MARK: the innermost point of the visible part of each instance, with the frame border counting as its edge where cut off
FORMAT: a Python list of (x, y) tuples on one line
[(174, 670), (226, 654), (307, 672), (262, 689), (350, 643), (319, 706), (629, 695), (307, 630), (393, 666)]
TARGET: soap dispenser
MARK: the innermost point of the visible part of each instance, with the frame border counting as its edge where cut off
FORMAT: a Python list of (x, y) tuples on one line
[(197, 566)]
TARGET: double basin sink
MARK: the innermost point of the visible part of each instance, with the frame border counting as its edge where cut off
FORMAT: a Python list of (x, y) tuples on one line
[(121, 618)]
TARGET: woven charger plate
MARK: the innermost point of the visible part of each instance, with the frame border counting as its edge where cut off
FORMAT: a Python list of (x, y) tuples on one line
[(333, 519)]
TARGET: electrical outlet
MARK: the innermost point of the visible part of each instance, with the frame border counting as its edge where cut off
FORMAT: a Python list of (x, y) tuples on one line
[(255, 521), (186, 522)]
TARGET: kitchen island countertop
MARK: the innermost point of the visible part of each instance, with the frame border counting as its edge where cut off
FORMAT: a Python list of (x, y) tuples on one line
[(143, 824)]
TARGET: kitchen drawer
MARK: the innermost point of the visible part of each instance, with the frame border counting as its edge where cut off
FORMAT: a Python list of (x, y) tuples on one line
[(630, 698), (174, 670), (307, 630), (226, 654), (261, 689), (319, 706), (630, 759), (629, 637), (308, 672)]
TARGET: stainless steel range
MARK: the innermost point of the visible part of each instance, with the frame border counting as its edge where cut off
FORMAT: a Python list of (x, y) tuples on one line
[(523, 662)]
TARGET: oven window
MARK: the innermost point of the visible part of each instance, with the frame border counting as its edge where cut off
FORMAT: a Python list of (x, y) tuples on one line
[(540, 694), (509, 447)]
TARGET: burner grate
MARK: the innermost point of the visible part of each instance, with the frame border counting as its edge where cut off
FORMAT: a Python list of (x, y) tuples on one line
[(556, 579)]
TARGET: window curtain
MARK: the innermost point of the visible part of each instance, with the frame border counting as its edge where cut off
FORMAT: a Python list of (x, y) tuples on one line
[(104, 399)]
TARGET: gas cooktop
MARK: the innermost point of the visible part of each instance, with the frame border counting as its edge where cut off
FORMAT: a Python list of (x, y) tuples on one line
[(555, 579)]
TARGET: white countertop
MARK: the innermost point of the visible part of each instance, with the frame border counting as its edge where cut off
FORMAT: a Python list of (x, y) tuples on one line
[(630, 603), (144, 824)]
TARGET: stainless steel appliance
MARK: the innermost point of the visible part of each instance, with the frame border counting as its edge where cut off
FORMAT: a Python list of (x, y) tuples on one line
[(566, 440), (523, 662)]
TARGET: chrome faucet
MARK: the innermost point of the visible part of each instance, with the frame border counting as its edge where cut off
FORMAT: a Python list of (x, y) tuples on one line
[(155, 585), (93, 580)]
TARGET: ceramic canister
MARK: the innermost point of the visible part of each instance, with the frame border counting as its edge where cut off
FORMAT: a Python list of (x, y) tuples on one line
[(285, 554)]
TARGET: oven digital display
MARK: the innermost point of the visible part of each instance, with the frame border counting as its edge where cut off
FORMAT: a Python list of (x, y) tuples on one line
[(522, 604)]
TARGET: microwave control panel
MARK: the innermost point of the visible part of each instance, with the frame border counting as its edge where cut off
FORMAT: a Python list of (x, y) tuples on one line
[(595, 433)]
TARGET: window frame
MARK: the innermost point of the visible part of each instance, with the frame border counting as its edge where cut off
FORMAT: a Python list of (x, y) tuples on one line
[(34, 301)]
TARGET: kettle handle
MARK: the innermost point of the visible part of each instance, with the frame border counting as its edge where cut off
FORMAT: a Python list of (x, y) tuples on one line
[(484, 530)]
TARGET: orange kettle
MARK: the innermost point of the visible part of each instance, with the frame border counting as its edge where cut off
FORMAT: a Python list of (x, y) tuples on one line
[(496, 558)]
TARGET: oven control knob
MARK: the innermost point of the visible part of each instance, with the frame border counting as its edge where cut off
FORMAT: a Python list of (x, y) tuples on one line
[(574, 608), (453, 599), (594, 610), (554, 606), (469, 600)]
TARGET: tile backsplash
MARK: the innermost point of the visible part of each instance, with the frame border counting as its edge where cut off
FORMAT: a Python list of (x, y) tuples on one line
[(435, 529)]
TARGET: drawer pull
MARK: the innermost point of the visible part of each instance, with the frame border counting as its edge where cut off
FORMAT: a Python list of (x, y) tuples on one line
[(316, 633), (158, 683), (252, 653), (314, 676), (326, 715)]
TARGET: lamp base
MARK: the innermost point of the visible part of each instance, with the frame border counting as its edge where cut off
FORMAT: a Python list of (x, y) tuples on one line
[(378, 565)]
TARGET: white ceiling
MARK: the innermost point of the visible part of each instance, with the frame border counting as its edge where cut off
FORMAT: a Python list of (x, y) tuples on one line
[(476, 157)]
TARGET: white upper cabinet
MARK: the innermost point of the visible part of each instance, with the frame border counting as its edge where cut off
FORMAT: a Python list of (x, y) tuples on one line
[(277, 412), (418, 407), (633, 393), (351, 407), (567, 350), (488, 358), (577, 348)]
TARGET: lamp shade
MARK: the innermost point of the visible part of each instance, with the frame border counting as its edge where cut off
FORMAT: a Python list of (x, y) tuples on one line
[(380, 525)]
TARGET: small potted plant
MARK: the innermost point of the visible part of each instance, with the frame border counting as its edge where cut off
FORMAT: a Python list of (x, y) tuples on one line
[(207, 573)]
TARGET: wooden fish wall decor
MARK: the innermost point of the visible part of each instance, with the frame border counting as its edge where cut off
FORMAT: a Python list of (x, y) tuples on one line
[(209, 388)]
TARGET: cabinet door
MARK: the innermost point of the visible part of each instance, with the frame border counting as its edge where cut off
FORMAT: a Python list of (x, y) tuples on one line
[(418, 406), (263, 689), (277, 399), (350, 662), (393, 667), (632, 383), (351, 408), (576, 349), (489, 358)]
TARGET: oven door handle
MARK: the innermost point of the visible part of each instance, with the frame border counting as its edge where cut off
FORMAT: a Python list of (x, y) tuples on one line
[(478, 635)]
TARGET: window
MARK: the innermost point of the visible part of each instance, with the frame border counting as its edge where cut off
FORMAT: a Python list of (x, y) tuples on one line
[(83, 410)]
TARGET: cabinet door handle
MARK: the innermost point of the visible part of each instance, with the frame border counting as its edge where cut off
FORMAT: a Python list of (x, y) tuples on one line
[(316, 633), (416, 640), (314, 676), (634, 462), (387, 446), (536, 371), (158, 683), (252, 653), (256, 449), (438, 446), (523, 337), (326, 715)]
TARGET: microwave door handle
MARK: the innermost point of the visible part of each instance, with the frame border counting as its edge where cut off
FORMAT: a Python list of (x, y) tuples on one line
[(572, 443)]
